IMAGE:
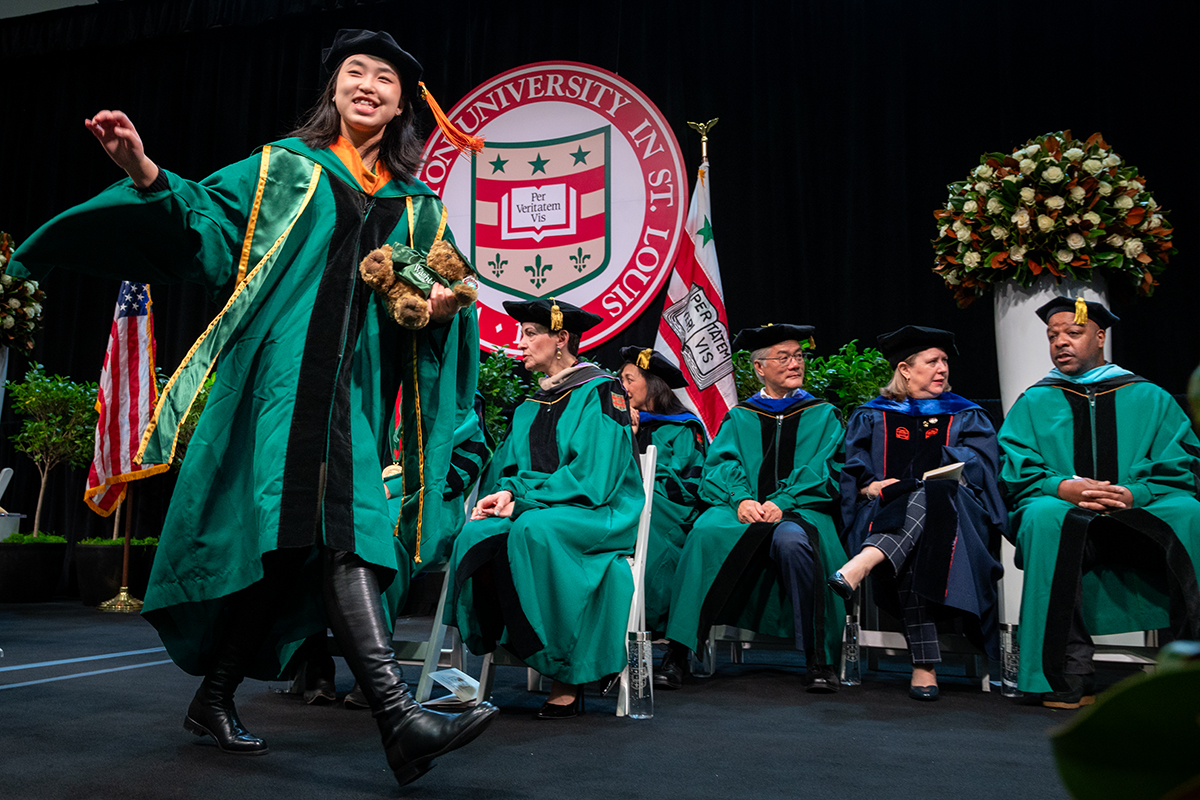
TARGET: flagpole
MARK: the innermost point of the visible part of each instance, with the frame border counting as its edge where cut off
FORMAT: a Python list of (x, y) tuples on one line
[(124, 601), (703, 128)]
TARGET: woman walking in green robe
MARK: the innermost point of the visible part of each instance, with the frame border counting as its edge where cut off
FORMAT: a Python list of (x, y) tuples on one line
[(279, 524), (541, 567), (659, 419)]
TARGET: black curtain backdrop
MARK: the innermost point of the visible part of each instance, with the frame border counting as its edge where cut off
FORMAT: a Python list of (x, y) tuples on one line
[(841, 124)]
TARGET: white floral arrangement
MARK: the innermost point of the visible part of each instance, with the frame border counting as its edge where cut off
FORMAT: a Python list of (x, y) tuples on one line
[(1056, 205), (20, 304)]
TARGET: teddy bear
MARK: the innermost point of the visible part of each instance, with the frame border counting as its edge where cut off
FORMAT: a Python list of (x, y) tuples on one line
[(402, 278)]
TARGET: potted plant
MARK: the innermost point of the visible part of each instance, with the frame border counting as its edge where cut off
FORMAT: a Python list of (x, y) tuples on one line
[(59, 421), (1056, 216)]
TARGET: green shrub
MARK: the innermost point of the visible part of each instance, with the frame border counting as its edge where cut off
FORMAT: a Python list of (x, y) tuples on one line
[(37, 537), (149, 540), (847, 378), (503, 388)]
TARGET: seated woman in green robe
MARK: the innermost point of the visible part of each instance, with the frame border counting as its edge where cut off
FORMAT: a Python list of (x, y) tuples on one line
[(540, 567), (660, 419), (260, 550)]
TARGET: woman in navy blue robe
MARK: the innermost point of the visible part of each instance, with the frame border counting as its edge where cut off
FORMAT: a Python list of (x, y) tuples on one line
[(928, 543)]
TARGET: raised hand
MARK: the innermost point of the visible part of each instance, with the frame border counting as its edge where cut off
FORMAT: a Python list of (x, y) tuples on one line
[(120, 140)]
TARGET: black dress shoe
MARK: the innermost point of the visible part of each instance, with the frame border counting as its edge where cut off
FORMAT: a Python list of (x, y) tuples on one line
[(555, 711), (320, 692), (923, 692), (673, 668), (820, 681), (1082, 692), (839, 586), (220, 721)]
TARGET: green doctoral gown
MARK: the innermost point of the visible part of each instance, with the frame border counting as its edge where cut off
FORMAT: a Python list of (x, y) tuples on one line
[(681, 446), (1134, 434), (552, 583), (307, 363), (725, 574)]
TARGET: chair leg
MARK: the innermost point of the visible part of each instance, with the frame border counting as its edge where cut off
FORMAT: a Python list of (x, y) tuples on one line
[(433, 651), (487, 676)]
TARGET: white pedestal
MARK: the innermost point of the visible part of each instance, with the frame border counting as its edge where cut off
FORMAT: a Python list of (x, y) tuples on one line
[(1023, 358)]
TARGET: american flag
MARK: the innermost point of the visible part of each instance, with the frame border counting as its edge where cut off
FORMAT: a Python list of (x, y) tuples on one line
[(127, 397)]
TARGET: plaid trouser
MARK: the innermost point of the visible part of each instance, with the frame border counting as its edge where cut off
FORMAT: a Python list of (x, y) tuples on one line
[(897, 547)]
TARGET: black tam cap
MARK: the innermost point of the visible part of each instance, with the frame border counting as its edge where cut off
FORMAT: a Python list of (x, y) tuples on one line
[(655, 363), (900, 344), (1082, 309), (555, 315), (351, 41), (757, 338)]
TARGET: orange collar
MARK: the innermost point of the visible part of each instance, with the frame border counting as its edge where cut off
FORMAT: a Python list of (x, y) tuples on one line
[(370, 182)]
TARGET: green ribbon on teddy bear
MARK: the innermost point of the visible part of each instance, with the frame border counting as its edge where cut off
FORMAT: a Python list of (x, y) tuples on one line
[(410, 266)]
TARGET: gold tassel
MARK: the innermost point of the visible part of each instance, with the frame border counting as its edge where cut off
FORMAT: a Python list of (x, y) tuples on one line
[(556, 319), (812, 343), (643, 360), (461, 141), (1081, 316)]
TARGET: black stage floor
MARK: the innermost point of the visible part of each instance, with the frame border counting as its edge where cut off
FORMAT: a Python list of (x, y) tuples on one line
[(90, 707)]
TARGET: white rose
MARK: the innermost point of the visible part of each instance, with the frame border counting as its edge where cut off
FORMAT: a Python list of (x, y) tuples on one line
[(942, 231), (1027, 195), (1017, 253), (6, 279), (30, 287), (1077, 194), (994, 206), (1044, 222), (3, 259), (1092, 217), (1133, 248), (964, 235), (1054, 174), (1111, 161), (999, 232), (1064, 256), (1026, 166), (1073, 219), (9, 322), (14, 303), (1021, 219), (1075, 241), (1105, 189), (1012, 178), (1055, 202), (1116, 240), (1093, 166), (1032, 149), (971, 259), (970, 207), (1123, 202), (1074, 154), (982, 187), (983, 171)]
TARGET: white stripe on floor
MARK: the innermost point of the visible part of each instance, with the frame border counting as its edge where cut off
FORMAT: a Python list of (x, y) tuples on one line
[(83, 674), (84, 658)]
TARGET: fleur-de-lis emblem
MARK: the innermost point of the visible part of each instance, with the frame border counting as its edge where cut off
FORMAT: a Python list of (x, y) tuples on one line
[(579, 260), (497, 266), (539, 271)]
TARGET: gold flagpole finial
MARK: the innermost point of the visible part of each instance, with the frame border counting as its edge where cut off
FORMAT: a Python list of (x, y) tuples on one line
[(703, 128)]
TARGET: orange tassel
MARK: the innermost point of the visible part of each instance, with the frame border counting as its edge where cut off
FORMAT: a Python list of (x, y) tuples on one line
[(461, 141)]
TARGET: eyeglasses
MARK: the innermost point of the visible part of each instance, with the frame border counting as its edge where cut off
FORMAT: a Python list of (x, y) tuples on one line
[(784, 361)]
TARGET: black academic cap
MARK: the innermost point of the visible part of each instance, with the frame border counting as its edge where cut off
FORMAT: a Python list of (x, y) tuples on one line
[(655, 363), (900, 344), (555, 315), (1087, 309), (351, 41), (757, 338)]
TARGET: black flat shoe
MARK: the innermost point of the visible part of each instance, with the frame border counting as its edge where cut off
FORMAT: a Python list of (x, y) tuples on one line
[(674, 667), (555, 711), (923, 692), (839, 586), (820, 681), (1081, 693)]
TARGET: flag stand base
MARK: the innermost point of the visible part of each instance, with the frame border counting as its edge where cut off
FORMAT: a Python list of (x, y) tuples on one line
[(124, 601)]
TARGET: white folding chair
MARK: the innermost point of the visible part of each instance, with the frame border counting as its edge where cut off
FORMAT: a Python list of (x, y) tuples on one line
[(637, 606)]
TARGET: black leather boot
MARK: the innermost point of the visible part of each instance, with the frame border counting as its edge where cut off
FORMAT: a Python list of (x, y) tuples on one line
[(412, 736), (212, 712)]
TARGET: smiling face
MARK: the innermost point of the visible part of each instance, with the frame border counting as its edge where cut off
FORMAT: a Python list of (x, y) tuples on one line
[(635, 386), (1075, 349), (781, 369), (927, 373), (367, 96)]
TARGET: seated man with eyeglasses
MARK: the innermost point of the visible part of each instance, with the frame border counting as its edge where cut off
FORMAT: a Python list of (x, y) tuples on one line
[(754, 559)]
